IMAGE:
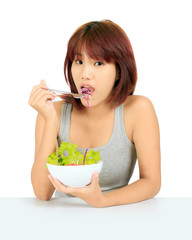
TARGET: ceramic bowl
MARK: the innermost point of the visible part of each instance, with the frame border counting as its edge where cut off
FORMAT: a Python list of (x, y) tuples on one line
[(75, 176)]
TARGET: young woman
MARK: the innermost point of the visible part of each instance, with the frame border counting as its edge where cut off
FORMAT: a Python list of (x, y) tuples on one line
[(122, 125)]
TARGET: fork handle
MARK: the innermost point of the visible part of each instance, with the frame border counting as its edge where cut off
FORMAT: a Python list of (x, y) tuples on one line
[(59, 91)]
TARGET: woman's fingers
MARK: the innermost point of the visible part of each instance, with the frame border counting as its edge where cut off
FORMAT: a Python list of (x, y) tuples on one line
[(43, 84), (38, 92), (40, 100)]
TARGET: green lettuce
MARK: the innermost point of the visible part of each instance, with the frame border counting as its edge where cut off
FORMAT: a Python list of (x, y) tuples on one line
[(68, 154)]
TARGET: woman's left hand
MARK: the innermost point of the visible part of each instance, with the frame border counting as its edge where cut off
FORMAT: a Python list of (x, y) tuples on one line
[(91, 193)]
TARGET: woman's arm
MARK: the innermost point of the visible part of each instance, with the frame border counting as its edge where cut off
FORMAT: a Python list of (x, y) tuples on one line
[(146, 138), (47, 126), (45, 144)]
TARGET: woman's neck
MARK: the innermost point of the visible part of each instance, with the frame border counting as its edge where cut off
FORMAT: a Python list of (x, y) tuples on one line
[(97, 112)]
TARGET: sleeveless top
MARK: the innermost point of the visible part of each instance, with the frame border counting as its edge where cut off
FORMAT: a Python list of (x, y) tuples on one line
[(118, 154)]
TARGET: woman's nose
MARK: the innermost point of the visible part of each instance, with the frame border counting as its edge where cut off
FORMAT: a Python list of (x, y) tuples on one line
[(86, 73)]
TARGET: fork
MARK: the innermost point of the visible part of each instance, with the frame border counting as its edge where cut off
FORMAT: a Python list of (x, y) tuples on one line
[(59, 92)]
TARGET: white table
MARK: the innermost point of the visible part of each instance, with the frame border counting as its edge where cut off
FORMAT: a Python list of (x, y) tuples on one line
[(72, 218)]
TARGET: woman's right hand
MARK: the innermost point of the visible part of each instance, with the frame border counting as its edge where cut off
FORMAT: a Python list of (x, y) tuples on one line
[(41, 100)]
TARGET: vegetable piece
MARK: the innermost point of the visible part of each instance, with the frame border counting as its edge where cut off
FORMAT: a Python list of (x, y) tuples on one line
[(53, 159), (85, 156), (88, 97), (69, 155)]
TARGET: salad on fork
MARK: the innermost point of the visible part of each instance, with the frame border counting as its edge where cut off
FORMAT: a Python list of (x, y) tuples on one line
[(86, 92)]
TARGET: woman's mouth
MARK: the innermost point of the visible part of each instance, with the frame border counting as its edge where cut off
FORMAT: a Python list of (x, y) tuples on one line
[(87, 89)]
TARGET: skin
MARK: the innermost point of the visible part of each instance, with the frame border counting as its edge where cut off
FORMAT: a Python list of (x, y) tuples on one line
[(141, 125)]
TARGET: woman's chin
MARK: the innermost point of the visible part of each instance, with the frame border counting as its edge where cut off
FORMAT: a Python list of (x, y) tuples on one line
[(86, 103), (92, 104)]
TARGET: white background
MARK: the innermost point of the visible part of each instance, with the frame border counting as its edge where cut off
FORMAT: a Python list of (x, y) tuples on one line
[(33, 41)]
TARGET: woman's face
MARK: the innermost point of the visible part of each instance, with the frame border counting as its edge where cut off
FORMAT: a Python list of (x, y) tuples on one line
[(98, 74)]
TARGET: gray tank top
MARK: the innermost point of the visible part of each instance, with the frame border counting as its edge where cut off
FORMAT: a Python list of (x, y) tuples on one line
[(118, 154)]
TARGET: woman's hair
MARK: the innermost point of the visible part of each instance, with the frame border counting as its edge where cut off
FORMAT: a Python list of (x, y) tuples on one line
[(103, 40)]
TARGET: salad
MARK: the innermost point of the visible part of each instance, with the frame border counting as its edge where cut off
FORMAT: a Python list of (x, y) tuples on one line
[(68, 155)]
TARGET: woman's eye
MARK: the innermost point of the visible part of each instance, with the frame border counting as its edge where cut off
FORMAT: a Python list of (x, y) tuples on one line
[(78, 61), (99, 63)]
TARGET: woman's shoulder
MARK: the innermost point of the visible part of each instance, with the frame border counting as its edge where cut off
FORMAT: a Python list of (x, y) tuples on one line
[(137, 109), (136, 99), (137, 103)]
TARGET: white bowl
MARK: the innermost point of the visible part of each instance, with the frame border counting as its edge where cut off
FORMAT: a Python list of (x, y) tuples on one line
[(75, 176)]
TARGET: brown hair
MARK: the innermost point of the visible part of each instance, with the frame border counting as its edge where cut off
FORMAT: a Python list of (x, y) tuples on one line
[(104, 40)]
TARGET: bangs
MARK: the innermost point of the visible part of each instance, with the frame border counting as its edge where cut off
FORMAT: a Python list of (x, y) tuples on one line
[(93, 42)]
